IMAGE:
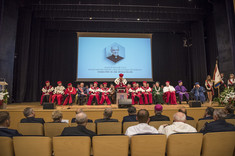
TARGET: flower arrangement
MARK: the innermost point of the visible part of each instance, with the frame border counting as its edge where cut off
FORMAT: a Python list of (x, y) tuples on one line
[(4, 96), (227, 96)]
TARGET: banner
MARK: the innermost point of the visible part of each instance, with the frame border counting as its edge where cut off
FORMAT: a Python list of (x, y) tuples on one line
[(216, 77)]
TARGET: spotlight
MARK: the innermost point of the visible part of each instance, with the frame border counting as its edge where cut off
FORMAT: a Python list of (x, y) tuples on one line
[(138, 19), (90, 18)]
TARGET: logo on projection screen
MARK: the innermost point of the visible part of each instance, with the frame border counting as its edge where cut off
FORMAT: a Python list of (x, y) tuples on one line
[(115, 52)]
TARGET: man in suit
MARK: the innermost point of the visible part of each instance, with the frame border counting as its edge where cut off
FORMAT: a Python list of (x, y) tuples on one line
[(229, 109), (30, 117), (219, 124), (81, 129), (158, 114), (208, 114), (4, 124), (132, 115), (115, 54), (184, 110), (82, 93), (108, 112), (79, 110)]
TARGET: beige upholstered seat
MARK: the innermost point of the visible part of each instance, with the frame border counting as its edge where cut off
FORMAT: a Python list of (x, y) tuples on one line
[(148, 145), (90, 125), (128, 124), (6, 146), (192, 123), (54, 129), (110, 145), (218, 144), (32, 146), (30, 128), (184, 144), (109, 128), (72, 146), (232, 121), (201, 123), (157, 124)]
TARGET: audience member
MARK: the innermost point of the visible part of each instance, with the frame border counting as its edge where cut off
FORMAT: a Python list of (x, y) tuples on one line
[(229, 109), (4, 124), (219, 124), (57, 116), (132, 115), (208, 114), (142, 127), (107, 116), (80, 130), (158, 114), (79, 110), (178, 125), (30, 116), (184, 110)]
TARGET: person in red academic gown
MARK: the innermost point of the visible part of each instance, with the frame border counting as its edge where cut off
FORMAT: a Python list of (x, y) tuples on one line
[(47, 92), (146, 92), (69, 94), (169, 93), (58, 93), (120, 82), (94, 92), (105, 91), (135, 94)]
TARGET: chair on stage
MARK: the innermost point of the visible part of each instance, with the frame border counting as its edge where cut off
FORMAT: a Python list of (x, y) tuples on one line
[(72, 146), (54, 129), (201, 123), (32, 146), (30, 128), (157, 124), (148, 145), (109, 128), (90, 125), (218, 144), (6, 146), (184, 144), (192, 123), (128, 124), (110, 145)]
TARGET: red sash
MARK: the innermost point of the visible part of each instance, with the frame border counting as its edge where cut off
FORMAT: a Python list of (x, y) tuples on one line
[(210, 87), (230, 81)]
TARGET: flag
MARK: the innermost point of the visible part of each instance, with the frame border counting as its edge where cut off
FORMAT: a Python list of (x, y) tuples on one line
[(216, 77)]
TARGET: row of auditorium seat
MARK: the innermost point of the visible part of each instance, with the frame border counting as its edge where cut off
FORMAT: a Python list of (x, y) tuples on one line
[(55, 129), (194, 144)]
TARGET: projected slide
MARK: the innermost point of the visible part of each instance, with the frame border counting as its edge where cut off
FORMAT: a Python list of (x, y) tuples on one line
[(103, 58)]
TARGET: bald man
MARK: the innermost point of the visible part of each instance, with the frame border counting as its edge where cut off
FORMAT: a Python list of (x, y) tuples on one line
[(108, 112), (79, 110)]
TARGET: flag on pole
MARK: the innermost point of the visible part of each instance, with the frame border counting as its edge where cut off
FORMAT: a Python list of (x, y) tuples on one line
[(216, 77)]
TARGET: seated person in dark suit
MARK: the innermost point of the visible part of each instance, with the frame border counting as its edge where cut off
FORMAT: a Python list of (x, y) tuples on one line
[(4, 124), (108, 112), (158, 114), (229, 109), (184, 110), (30, 117), (132, 115), (219, 124), (81, 129), (208, 114), (77, 112)]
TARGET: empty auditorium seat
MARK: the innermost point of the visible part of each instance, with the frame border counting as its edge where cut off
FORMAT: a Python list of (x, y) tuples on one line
[(232, 121), (32, 146), (30, 128), (110, 145), (148, 145), (6, 146), (218, 144), (201, 124), (157, 124), (192, 123), (184, 144), (90, 125), (54, 129), (109, 128), (72, 146), (128, 124)]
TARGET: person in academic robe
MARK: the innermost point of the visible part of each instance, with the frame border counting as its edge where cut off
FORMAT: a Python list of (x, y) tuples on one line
[(223, 82), (112, 93), (146, 92), (120, 82), (135, 94), (181, 91), (231, 81), (198, 92), (94, 92), (209, 88), (47, 92), (115, 57), (105, 92), (58, 93), (70, 93), (128, 87), (81, 93), (158, 93), (169, 93)]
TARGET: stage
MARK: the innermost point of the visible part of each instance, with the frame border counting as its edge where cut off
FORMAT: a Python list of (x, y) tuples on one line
[(95, 112)]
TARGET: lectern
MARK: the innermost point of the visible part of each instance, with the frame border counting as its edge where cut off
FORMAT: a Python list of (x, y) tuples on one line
[(121, 94), (3, 85)]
